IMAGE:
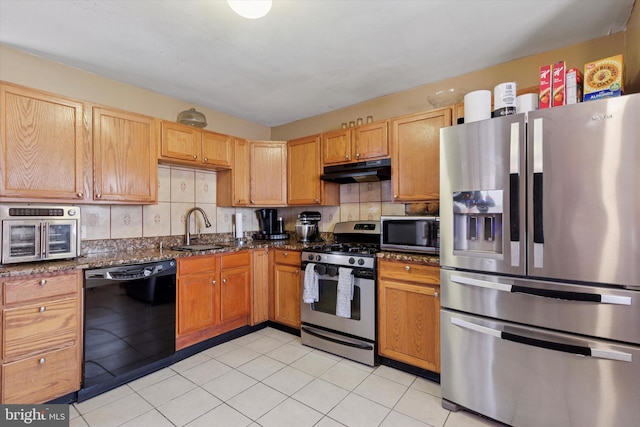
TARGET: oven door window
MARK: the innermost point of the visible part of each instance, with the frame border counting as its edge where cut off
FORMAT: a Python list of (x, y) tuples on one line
[(22, 239), (60, 238), (327, 297)]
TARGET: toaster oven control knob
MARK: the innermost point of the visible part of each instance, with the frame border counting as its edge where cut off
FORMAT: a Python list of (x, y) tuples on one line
[(360, 261), (352, 261), (310, 257), (71, 212), (318, 257)]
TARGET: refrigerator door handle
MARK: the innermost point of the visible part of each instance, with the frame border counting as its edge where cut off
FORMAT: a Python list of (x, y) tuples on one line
[(546, 344), (545, 293), (514, 183), (538, 170)]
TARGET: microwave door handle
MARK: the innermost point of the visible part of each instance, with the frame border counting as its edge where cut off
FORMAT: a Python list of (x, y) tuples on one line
[(44, 240)]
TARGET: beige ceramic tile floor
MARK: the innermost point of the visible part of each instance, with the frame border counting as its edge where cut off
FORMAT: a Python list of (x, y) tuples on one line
[(268, 378)]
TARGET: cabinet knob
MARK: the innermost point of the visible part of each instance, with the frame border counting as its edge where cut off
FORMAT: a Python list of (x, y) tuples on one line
[(395, 196), (213, 282), (238, 201), (316, 200), (205, 160), (297, 271), (346, 157), (43, 282), (435, 294), (195, 157), (42, 360), (357, 155), (406, 267), (98, 195), (286, 254), (80, 194), (252, 202), (224, 280), (43, 309)]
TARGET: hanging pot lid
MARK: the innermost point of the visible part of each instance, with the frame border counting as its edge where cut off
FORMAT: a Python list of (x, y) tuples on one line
[(193, 118)]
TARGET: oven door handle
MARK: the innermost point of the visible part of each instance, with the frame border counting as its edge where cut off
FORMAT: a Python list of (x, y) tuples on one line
[(546, 344), (337, 341), (545, 293)]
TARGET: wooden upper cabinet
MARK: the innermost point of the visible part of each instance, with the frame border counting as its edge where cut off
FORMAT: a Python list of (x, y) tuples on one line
[(233, 186), (364, 142), (415, 155), (182, 144), (124, 157), (41, 145), (268, 173)]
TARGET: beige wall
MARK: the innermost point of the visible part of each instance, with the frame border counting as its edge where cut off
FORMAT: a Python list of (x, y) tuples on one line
[(632, 51), (524, 71), (32, 71)]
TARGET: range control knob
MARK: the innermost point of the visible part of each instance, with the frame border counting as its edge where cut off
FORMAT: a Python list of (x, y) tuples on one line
[(318, 257), (310, 257), (360, 261), (352, 261)]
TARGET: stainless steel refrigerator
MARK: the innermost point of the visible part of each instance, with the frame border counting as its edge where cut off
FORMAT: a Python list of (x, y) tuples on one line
[(540, 256)]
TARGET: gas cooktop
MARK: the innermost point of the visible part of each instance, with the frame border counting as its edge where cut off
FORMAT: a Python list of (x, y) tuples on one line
[(345, 248)]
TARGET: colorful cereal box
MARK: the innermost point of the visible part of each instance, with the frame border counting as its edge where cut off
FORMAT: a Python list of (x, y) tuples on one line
[(545, 86), (573, 83), (603, 78), (559, 88)]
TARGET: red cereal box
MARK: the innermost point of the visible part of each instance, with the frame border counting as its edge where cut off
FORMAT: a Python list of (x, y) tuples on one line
[(573, 82), (559, 88), (545, 86)]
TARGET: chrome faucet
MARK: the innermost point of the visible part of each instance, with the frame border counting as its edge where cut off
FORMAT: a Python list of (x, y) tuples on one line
[(187, 235)]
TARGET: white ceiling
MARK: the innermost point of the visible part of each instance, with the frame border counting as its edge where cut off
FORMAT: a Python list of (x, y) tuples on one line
[(306, 57)]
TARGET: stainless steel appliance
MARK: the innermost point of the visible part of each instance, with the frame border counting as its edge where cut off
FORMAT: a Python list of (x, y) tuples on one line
[(271, 225), (129, 323), (540, 225), (410, 233), (307, 228), (367, 171), (337, 322), (39, 232)]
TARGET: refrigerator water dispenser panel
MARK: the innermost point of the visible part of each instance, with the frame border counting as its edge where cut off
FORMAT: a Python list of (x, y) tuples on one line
[(477, 223)]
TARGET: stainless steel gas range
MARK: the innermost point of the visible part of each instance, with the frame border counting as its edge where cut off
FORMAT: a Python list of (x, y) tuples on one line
[(338, 306)]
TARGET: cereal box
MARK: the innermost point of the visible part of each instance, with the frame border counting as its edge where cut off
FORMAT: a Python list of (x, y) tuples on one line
[(603, 78), (573, 83), (545, 87), (559, 92)]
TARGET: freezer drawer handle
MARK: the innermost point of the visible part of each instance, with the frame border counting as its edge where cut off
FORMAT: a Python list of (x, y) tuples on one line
[(546, 293), (549, 345), (337, 341)]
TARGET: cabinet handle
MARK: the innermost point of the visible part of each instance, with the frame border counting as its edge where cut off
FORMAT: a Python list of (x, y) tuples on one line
[(43, 309), (205, 160), (395, 196), (224, 280), (98, 195), (297, 271), (238, 201), (286, 254), (81, 194), (435, 294), (346, 157), (316, 200), (252, 202), (43, 282), (195, 157), (357, 155), (42, 360)]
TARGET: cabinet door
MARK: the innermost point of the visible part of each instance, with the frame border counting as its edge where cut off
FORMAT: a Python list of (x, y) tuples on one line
[(336, 147), (286, 289), (268, 173), (415, 154), (41, 145), (371, 141), (303, 171), (198, 302), (124, 157), (235, 292), (216, 149), (233, 186), (409, 323), (180, 142), (260, 279)]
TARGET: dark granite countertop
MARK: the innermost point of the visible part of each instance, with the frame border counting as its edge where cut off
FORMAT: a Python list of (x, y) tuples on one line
[(411, 257)]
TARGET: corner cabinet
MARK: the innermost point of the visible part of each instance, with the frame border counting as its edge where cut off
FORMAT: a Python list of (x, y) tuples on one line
[(409, 313), (415, 155), (213, 296), (124, 157), (41, 337), (286, 296), (364, 142), (41, 146), (189, 146), (260, 291), (304, 167), (233, 186)]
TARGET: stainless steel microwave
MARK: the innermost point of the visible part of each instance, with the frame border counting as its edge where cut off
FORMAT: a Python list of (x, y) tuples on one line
[(39, 233), (410, 234)]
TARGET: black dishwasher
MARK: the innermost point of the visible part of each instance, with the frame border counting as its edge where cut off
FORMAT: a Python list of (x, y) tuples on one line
[(129, 323)]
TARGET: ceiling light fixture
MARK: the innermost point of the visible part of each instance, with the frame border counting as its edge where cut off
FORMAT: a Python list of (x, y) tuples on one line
[(252, 9)]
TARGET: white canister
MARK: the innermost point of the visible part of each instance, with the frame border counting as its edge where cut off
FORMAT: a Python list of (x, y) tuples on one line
[(477, 106), (527, 102), (504, 99)]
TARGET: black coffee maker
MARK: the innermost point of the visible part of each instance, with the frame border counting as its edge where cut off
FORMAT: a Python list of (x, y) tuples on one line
[(271, 225)]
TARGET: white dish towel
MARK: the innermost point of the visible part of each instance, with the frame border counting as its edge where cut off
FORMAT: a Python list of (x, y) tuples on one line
[(344, 292), (310, 290)]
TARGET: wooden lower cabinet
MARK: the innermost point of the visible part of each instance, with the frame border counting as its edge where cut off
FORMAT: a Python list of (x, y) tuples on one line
[(286, 288), (41, 344), (260, 292), (409, 313), (213, 296)]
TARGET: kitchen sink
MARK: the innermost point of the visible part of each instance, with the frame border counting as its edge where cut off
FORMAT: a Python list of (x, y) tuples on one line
[(204, 247)]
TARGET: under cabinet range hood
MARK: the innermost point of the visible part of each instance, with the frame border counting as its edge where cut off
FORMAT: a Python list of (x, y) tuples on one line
[(372, 170)]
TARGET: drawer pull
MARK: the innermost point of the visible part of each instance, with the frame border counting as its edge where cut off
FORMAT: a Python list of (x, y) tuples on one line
[(43, 282), (213, 282), (43, 309), (435, 294), (42, 360), (406, 267)]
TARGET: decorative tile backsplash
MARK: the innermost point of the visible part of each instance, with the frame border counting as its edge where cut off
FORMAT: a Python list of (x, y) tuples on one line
[(182, 188)]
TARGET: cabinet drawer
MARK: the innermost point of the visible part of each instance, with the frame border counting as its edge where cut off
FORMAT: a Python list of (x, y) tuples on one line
[(41, 378), (39, 327), (33, 287), (197, 264), (237, 259), (409, 271), (288, 257)]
